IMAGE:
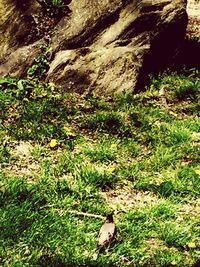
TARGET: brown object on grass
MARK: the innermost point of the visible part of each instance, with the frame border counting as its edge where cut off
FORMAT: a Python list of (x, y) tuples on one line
[(106, 233)]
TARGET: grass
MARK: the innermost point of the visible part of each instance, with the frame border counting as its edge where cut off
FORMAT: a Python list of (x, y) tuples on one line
[(136, 155)]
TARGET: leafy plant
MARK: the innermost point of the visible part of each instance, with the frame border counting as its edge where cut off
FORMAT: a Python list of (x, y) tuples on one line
[(40, 64)]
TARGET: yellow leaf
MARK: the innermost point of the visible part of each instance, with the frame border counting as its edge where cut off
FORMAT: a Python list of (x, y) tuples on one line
[(68, 130), (191, 245), (197, 171), (173, 263), (111, 169), (173, 114), (53, 143), (29, 130), (113, 146)]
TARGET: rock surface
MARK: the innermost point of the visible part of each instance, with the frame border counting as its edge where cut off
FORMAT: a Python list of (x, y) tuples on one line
[(105, 46), (15, 24)]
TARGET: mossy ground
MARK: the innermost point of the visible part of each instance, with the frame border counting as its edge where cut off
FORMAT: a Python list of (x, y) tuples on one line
[(136, 155)]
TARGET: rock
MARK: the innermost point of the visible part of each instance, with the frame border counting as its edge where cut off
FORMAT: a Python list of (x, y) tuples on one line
[(119, 47), (15, 24), (105, 47), (20, 60)]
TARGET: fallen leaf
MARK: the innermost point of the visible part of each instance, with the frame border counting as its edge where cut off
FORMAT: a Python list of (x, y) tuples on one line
[(68, 131), (191, 245), (186, 162), (173, 263), (162, 91), (113, 146), (197, 171), (52, 85), (95, 256), (53, 143), (111, 169)]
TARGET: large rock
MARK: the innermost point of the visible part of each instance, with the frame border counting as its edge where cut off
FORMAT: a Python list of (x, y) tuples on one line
[(105, 46)]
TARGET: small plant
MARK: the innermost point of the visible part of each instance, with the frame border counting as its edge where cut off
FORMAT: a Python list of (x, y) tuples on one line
[(40, 64), (55, 7)]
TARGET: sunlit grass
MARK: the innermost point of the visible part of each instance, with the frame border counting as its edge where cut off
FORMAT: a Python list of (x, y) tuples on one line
[(135, 155)]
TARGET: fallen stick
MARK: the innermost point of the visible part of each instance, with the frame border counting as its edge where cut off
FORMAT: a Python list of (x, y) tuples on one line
[(75, 212), (86, 214)]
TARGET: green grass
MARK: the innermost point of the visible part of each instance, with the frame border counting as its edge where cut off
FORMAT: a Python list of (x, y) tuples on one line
[(137, 155)]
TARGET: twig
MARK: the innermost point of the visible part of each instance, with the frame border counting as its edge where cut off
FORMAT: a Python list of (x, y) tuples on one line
[(75, 212)]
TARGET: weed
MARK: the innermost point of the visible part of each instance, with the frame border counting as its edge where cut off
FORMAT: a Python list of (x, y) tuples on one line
[(40, 65)]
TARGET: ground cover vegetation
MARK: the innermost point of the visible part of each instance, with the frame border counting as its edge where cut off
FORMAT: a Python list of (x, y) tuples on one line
[(136, 155)]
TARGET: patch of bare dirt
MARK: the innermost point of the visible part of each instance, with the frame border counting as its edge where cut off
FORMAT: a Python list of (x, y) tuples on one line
[(23, 165), (125, 198), (190, 209)]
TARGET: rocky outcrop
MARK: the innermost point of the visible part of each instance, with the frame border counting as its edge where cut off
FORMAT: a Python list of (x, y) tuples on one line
[(104, 46)]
